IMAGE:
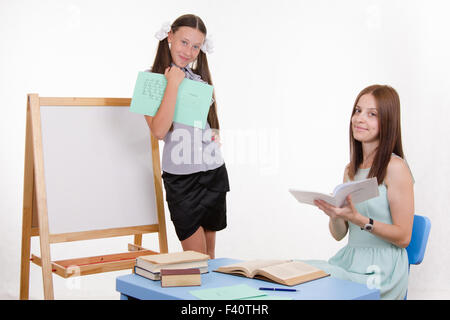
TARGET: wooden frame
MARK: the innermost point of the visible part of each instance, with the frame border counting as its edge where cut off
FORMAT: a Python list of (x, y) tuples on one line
[(35, 214)]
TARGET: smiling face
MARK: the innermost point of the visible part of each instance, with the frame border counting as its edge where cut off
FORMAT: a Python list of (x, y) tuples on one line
[(365, 126), (185, 45)]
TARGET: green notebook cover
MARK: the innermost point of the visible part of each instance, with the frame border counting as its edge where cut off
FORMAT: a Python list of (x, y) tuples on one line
[(236, 292), (193, 99)]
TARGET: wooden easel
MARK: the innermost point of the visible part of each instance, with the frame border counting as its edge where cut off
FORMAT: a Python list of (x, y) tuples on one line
[(35, 213)]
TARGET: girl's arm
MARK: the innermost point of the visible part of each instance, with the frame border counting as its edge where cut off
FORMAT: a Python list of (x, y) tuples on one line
[(338, 226), (161, 122)]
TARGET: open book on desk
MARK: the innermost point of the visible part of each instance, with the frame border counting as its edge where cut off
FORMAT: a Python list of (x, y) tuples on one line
[(285, 272), (360, 191)]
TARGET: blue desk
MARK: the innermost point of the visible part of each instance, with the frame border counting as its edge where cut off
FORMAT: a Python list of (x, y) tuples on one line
[(328, 288)]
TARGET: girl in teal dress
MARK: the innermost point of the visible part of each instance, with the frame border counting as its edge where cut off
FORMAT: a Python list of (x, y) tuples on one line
[(380, 228)]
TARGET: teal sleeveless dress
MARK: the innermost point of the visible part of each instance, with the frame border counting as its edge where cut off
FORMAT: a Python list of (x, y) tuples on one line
[(368, 259)]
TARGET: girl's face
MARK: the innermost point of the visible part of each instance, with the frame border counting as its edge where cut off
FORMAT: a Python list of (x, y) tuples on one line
[(185, 45), (365, 126)]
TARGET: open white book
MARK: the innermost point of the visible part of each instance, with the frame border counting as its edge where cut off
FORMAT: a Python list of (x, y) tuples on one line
[(285, 272), (360, 191)]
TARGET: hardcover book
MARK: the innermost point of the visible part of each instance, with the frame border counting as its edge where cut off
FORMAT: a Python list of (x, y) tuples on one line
[(180, 277), (177, 260)]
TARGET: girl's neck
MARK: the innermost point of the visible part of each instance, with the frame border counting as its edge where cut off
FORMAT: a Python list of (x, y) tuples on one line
[(369, 152), (187, 67)]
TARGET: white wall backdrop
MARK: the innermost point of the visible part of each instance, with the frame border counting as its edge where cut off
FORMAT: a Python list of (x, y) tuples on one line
[(286, 75)]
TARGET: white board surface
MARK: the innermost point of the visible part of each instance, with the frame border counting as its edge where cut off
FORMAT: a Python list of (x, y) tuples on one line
[(98, 168)]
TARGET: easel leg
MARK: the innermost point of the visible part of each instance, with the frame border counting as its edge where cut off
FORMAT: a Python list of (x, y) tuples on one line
[(162, 235), (47, 275), (27, 212), (41, 196), (25, 257)]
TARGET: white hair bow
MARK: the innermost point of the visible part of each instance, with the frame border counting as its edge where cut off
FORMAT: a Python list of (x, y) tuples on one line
[(208, 46), (163, 32)]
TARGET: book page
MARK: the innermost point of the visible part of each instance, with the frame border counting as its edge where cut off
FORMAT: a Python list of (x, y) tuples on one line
[(193, 102), (249, 267), (308, 197), (148, 93), (343, 186), (288, 270), (154, 88), (361, 190)]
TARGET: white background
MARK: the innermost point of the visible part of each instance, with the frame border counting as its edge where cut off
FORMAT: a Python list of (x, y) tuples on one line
[(286, 75)]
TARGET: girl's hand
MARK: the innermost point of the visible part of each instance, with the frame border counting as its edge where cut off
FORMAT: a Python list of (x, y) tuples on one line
[(174, 75), (347, 213)]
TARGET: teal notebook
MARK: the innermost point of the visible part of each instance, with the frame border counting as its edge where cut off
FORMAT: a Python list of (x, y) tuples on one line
[(236, 292), (193, 99)]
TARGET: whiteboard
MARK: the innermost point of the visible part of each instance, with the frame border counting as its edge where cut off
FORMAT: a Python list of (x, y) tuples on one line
[(98, 168)]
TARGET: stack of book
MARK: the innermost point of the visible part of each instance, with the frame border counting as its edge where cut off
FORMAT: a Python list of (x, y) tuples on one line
[(150, 266)]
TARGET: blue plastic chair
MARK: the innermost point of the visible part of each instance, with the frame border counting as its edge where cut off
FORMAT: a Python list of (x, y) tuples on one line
[(419, 239)]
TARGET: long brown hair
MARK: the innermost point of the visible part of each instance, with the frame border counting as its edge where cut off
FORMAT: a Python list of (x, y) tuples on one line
[(390, 138), (163, 59)]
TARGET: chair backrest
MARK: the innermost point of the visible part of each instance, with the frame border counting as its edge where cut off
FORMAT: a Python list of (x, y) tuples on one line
[(419, 239)]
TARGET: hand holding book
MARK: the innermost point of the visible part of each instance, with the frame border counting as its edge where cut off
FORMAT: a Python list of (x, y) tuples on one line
[(348, 212), (360, 191), (174, 75), (193, 98)]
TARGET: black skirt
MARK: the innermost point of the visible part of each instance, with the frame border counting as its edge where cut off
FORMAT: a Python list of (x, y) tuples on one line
[(197, 199)]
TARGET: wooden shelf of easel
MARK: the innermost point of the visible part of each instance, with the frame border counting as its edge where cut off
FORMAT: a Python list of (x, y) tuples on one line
[(96, 264)]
